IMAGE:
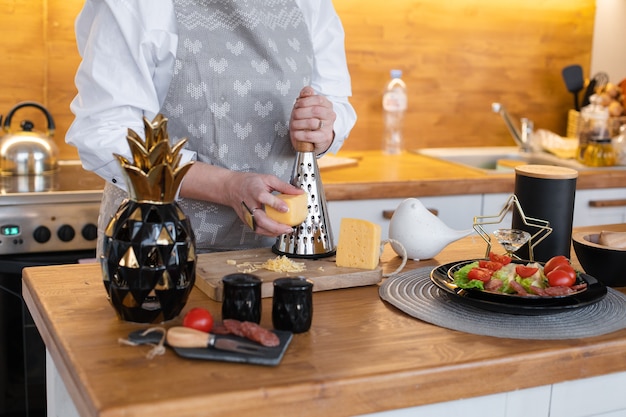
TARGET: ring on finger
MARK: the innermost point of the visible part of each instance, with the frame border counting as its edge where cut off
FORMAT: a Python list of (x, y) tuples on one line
[(320, 125)]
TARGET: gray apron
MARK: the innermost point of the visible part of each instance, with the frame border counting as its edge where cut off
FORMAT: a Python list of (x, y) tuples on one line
[(240, 66)]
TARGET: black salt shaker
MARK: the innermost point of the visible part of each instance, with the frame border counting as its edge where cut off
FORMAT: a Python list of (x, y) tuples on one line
[(292, 304), (242, 297)]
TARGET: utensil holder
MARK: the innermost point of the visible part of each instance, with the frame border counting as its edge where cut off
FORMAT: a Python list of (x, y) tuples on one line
[(313, 238)]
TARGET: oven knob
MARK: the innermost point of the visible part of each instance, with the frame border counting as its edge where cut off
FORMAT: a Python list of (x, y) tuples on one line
[(66, 233), (90, 232), (42, 234)]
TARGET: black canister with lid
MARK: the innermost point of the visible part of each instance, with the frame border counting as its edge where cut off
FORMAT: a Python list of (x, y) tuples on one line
[(242, 297), (292, 304), (546, 193)]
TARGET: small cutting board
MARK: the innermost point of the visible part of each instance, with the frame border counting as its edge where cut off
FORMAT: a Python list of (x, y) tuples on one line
[(324, 273), (327, 162)]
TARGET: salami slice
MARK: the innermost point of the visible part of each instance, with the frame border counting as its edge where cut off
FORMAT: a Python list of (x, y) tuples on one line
[(234, 327), (259, 334), (219, 329), (249, 330)]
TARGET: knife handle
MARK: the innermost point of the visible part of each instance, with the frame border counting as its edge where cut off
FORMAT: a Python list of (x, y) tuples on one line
[(186, 337)]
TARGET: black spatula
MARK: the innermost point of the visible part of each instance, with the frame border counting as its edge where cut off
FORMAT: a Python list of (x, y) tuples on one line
[(598, 81), (574, 81)]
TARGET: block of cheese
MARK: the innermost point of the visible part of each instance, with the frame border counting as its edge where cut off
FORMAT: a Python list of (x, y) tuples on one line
[(359, 244), (298, 209)]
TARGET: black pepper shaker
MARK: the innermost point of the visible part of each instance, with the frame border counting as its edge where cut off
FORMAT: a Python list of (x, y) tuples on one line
[(292, 304), (242, 297)]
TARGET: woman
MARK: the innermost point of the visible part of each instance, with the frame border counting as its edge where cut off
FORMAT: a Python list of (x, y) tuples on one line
[(243, 80)]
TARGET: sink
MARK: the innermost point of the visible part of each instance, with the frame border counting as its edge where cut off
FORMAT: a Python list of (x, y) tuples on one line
[(500, 159)]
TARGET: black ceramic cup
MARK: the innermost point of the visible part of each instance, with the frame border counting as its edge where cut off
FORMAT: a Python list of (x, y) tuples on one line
[(242, 297), (292, 304), (547, 193)]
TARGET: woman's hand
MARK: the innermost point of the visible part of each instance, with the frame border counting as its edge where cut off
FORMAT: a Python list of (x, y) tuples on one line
[(312, 120), (222, 186)]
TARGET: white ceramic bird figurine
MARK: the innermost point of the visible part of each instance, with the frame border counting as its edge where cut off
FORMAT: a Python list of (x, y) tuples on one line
[(422, 233)]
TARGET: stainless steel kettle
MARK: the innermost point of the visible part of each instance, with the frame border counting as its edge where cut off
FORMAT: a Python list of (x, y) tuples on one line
[(27, 152)]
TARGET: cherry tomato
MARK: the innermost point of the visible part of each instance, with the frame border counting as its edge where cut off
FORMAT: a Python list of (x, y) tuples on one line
[(525, 271), (567, 268), (554, 262), (503, 259), (198, 318), (490, 265), (481, 274), (560, 278)]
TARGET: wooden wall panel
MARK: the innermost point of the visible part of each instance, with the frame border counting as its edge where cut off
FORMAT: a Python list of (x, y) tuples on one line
[(63, 60), (22, 58), (460, 56), (457, 56)]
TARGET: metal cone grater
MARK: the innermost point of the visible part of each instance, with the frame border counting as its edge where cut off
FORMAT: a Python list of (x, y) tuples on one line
[(313, 238)]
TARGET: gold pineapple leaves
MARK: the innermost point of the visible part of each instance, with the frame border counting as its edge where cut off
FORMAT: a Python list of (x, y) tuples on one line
[(153, 175)]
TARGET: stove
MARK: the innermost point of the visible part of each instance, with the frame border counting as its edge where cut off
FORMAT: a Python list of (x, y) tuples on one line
[(55, 212), (46, 219)]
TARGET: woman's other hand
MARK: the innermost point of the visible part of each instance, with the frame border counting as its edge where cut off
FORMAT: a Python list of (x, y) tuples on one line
[(222, 186), (312, 120)]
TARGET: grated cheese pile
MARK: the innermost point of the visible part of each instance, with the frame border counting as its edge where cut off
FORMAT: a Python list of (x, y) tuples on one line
[(278, 264)]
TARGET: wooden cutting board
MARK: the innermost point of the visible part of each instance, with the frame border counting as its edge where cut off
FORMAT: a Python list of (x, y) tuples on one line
[(328, 162), (324, 273)]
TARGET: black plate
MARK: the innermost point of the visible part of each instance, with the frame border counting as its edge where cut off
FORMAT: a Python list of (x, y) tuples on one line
[(271, 357), (503, 303)]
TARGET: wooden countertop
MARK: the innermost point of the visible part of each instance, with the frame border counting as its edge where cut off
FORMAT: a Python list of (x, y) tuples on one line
[(412, 175), (360, 356)]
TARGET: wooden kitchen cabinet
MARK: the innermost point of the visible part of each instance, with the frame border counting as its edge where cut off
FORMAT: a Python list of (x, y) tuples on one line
[(601, 206)]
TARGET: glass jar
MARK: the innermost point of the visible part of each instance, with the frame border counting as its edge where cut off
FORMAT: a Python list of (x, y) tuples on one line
[(593, 125), (619, 146), (599, 153)]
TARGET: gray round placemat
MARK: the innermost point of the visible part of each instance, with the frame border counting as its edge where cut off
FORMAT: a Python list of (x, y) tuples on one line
[(414, 293)]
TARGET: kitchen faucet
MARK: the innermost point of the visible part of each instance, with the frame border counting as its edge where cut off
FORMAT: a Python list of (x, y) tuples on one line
[(523, 137)]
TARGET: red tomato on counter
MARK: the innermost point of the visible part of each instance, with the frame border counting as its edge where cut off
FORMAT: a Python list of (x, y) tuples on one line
[(198, 318)]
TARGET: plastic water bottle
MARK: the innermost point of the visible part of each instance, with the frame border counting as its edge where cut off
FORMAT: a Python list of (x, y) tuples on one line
[(394, 107)]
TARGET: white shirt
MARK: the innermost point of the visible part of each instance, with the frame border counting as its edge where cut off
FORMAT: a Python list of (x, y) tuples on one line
[(129, 48)]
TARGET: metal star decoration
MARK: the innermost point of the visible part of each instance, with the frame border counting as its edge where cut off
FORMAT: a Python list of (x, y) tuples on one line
[(513, 202)]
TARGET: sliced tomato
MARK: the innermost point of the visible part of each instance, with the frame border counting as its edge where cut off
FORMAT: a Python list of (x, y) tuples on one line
[(481, 274), (503, 259), (560, 278), (567, 268), (525, 271), (491, 265), (554, 262)]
